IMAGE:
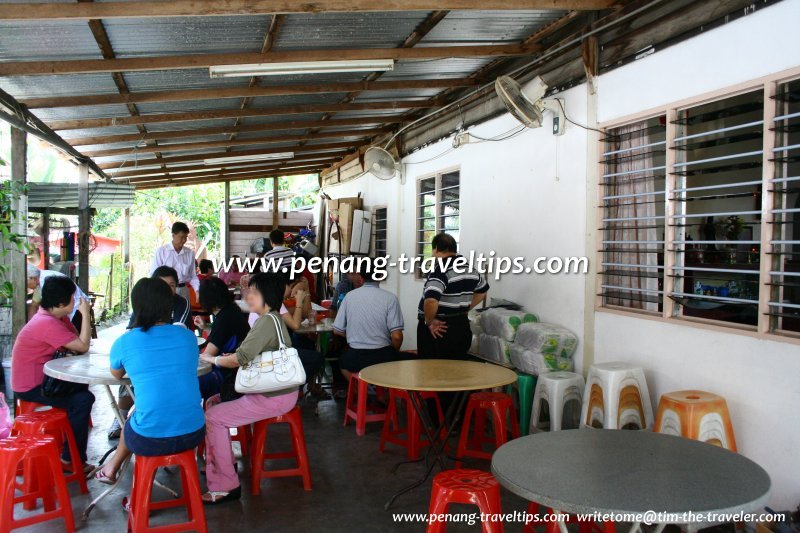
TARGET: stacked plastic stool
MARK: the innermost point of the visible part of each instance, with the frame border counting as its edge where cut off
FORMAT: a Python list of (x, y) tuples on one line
[(696, 415), (560, 391), (409, 436), (54, 422), (616, 397), (141, 504), (552, 526), (258, 453), (524, 387), (479, 406), (39, 457), (465, 486), (357, 408)]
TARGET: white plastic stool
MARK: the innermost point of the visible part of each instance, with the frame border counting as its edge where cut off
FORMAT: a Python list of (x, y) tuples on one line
[(555, 388), (616, 397)]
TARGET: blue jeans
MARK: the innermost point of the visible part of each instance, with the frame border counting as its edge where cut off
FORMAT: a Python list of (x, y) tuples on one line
[(156, 446), (78, 406)]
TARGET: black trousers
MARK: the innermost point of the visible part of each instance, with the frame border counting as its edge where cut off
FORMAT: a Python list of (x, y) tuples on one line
[(454, 344)]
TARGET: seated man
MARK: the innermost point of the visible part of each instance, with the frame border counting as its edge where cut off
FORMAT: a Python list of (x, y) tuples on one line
[(35, 282), (181, 311), (372, 321), (206, 267)]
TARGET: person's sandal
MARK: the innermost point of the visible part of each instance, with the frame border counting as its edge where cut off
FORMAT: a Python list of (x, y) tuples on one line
[(217, 498), (103, 478)]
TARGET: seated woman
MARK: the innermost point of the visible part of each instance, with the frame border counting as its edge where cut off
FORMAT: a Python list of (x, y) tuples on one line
[(264, 298), (161, 362), (47, 331), (228, 329)]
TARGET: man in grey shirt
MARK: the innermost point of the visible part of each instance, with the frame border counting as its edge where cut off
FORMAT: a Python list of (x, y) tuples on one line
[(372, 321)]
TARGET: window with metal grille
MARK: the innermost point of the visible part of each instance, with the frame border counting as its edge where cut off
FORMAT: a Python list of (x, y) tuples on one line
[(716, 215), (784, 256), (437, 209), (379, 231), (632, 221)]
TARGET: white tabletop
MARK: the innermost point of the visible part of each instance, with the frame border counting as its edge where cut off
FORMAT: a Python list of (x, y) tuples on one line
[(94, 369)]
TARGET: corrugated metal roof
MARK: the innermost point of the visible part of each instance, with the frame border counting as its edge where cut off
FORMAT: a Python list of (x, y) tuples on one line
[(43, 86), (159, 80), (399, 94), (45, 40), (456, 67), (252, 121), (98, 132), (189, 106), (101, 194), (72, 113), (190, 125), (488, 27), (325, 31), (189, 35)]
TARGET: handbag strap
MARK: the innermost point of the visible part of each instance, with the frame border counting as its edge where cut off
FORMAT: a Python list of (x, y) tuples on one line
[(280, 331)]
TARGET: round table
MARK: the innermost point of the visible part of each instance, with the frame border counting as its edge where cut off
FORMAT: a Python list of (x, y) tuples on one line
[(438, 375), (633, 474), (94, 368)]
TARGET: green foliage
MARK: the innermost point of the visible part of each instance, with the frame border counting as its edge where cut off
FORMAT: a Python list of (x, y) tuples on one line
[(9, 192)]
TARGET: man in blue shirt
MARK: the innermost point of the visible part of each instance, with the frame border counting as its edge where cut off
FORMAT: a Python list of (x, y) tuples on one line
[(371, 320)]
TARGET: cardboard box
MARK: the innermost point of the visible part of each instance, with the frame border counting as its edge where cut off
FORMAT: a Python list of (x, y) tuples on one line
[(360, 234), (335, 206)]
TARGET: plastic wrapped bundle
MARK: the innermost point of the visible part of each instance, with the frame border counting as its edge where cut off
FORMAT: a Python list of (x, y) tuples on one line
[(548, 339), (475, 346), (495, 349), (475, 322), (536, 363), (504, 323)]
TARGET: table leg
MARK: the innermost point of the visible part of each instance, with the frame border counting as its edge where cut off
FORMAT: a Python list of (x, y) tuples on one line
[(437, 437)]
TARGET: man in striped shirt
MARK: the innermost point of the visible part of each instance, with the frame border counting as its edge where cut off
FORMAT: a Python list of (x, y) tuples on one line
[(450, 291), (279, 256)]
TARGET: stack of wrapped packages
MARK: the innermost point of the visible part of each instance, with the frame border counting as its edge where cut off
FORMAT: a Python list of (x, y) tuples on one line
[(517, 339)]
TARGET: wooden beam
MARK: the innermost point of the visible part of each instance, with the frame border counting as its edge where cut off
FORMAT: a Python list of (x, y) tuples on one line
[(275, 202), (223, 179), (189, 61), (273, 126), (240, 167), (17, 260), (157, 118), (240, 92), (84, 228), (201, 8), (240, 142), (201, 157), (225, 230), (256, 172)]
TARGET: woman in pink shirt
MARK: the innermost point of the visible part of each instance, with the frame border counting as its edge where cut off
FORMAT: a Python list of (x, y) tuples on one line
[(47, 331)]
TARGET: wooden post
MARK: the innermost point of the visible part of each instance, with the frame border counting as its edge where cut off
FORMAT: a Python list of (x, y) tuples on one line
[(226, 222), (126, 259), (84, 227), (275, 202), (19, 213), (46, 239)]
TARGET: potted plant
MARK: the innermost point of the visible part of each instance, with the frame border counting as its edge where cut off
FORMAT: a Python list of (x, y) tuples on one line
[(730, 228)]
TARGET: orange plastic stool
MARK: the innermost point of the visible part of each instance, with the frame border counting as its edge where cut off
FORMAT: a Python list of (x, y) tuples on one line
[(696, 415), (410, 437), (38, 455), (259, 454), (24, 408), (356, 406), (54, 422), (480, 404), (141, 504), (465, 486)]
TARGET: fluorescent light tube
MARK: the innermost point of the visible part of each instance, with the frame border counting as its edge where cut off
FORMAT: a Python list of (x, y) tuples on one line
[(247, 158), (304, 67)]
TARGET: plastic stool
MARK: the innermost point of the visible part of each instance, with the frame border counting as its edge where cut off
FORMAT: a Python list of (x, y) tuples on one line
[(141, 503), (552, 526), (54, 422), (258, 454), (480, 404), (557, 389), (524, 387), (38, 455), (696, 415), (410, 437), (356, 406), (465, 486), (23, 408), (616, 397)]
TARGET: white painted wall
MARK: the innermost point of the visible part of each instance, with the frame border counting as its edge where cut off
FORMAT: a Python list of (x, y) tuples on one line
[(527, 196)]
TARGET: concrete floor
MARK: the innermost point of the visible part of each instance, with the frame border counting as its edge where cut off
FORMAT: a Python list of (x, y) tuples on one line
[(351, 481)]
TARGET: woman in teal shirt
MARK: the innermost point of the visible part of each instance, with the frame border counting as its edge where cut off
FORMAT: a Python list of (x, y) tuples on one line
[(161, 361)]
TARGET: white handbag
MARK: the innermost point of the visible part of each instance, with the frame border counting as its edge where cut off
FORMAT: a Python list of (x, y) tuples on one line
[(273, 371)]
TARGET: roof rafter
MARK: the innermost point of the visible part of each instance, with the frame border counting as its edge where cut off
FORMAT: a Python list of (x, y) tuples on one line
[(218, 173), (172, 182)]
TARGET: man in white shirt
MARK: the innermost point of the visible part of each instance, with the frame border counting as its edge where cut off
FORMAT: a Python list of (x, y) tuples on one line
[(176, 255), (35, 282)]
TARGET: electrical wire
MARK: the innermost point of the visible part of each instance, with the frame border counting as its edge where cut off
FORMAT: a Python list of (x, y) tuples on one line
[(573, 122)]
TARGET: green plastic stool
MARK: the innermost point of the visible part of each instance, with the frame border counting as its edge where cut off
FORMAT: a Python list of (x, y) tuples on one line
[(525, 385)]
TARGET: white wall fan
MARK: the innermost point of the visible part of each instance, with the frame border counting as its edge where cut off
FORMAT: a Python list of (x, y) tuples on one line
[(527, 104), (380, 163)]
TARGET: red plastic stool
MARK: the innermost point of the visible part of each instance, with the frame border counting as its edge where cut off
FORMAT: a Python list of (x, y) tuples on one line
[(480, 404), (54, 422), (551, 526), (356, 407), (410, 437), (141, 504), (258, 454), (24, 408), (39, 456), (465, 486)]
